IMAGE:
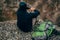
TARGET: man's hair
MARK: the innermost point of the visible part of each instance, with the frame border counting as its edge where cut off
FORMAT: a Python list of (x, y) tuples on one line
[(24, 5)]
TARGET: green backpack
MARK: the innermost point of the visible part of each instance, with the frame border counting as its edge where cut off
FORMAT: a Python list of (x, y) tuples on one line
[(44, 28)]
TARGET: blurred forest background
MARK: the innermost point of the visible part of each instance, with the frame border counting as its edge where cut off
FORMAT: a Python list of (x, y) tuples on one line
[(8, 8)]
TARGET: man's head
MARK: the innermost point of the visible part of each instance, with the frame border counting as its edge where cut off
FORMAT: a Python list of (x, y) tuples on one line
[(23, 5)]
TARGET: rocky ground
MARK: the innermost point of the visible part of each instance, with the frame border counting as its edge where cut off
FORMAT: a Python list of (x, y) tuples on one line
[(10, 31)]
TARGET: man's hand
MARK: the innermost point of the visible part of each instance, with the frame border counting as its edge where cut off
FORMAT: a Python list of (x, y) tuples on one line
[(32, 9)]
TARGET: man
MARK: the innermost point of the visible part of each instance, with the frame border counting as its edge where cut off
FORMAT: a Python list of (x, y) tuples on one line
[(24, 19)]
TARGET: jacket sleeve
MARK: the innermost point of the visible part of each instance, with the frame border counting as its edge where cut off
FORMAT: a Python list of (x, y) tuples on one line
[(35, 13)]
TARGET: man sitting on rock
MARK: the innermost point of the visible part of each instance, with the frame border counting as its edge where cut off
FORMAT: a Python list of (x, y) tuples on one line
[(24, 18)]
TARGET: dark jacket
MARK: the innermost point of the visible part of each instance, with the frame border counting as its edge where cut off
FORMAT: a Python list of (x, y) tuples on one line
[(24, 19)]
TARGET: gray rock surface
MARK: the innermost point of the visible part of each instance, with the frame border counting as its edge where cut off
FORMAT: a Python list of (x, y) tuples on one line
[(10, 31)]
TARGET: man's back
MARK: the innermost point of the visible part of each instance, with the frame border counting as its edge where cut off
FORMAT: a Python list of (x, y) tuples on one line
[(24, 21)]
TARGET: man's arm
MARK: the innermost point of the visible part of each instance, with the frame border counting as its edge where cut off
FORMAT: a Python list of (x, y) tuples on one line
[(34, 13)]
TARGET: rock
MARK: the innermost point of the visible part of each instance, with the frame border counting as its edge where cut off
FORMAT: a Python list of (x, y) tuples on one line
[(10, 31)]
